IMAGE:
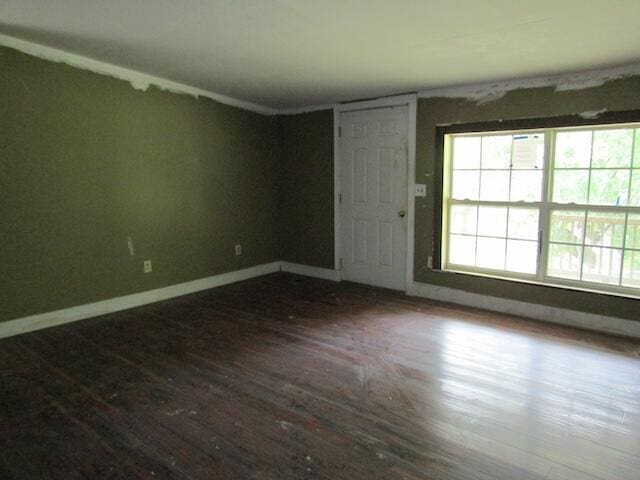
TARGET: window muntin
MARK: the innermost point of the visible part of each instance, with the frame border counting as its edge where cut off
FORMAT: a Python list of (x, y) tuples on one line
[(559, 206)]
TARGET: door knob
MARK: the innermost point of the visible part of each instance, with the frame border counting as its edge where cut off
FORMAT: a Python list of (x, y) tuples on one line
[(402, 213)]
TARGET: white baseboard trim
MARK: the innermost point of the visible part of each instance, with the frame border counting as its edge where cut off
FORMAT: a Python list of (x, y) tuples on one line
[(309, 271), (561, 316), (73, 314), (591, 321)]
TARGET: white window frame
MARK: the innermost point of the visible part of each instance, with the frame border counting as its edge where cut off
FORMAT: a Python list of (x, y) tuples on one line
[(545, 207)]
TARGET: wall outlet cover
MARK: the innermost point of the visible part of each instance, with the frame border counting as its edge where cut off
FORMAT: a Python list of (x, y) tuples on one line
[(148, 268), (421, 190)]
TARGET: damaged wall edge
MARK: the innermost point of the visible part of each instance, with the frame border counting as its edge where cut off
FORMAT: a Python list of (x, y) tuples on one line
[(487, 92), (138, 80), (481, 92)]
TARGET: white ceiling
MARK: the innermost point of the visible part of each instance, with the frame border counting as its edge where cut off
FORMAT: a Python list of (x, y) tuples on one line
[(291, 53)]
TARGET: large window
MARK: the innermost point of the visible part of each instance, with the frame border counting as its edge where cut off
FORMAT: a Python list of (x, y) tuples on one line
[(557, 206)]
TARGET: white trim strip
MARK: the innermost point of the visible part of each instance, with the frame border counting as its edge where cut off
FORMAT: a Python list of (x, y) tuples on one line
[(138, 80), (309, 271), (381, 102), (481, 92), (411, 187), (561, 316), (337, 192), (309, 109), (73, 314), (485, 92)]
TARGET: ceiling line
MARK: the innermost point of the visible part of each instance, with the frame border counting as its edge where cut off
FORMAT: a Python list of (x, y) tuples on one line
[(138, 80), (481, 92)]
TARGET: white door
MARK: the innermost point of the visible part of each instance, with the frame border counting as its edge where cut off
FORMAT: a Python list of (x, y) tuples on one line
[(373, 180)]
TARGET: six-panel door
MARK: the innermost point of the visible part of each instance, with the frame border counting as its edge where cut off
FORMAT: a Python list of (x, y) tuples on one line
[(373, 163)]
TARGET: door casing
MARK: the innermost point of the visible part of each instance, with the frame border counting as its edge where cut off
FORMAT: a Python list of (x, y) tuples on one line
[(411, 101)]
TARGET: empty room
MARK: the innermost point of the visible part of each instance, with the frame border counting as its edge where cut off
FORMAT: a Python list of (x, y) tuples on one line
[(337, 240)]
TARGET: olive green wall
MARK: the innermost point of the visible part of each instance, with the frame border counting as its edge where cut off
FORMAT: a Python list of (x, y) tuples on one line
[(618, 95), (306, 195), (87, 161), (307, 185)]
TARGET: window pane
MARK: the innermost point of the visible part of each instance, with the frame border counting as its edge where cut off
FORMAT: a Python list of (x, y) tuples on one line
[(631, 269), (609, 187), (492, 221), (496, 151), (636, 149), (523, 223), (634, 200), (567, 226), (502, 176), (528, 151), (466, 152), (564, 261), (570, 186), (526, 186), (491, 253), (612, 148), (633, 232), (605, 229), (464, 219), (601, 265), (494, 185), (466, 185), (573, 150), (522, 256), (462, 250)]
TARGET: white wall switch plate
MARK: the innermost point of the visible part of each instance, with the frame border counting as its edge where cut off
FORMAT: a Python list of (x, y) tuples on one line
[(421, 190), (238, 249)]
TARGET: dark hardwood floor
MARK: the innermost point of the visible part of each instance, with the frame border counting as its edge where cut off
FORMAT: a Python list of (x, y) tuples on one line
[(286, 377)]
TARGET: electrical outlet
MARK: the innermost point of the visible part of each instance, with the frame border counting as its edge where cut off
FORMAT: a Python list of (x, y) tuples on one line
[(421, 190), (238, 249), (147, 266)]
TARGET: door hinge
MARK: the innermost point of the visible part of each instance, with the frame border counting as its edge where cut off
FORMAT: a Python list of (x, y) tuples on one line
[(339, 131), (340, 264), (339, 198)]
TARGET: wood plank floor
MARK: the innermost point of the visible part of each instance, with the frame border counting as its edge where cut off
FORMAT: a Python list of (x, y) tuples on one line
[(285, 377)]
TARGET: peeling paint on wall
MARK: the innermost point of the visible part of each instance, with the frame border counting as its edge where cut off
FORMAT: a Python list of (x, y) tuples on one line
[(589, 115), (480, 94), (138, 80), (490, 92)]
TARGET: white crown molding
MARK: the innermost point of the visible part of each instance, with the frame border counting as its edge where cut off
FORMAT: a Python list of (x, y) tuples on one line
[(138, 80), (73, 314), (309, 109), (486, 92), (489, 91), (561, 316), (481, 92), (309, 271)]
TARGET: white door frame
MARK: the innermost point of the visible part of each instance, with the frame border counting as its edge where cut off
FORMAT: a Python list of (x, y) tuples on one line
[(411, 101)]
